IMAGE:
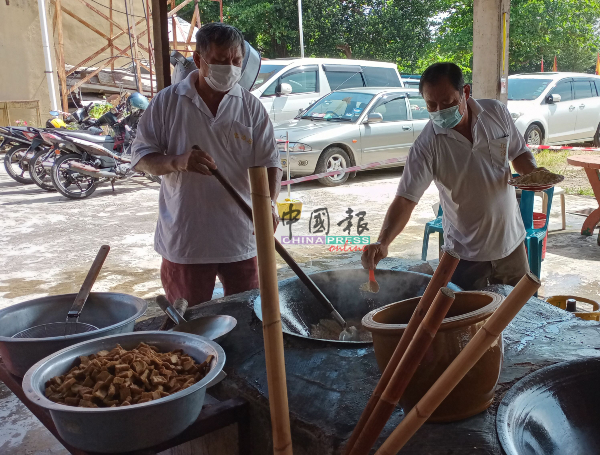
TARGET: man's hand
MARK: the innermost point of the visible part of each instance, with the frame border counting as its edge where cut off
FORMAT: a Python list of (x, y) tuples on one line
[(195, 160), (372, 254), (275, 214)]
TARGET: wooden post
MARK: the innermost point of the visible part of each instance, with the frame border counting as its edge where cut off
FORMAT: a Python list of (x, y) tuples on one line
[(269, 295), (161, 44), (197, 11), (61, 58), (440, 278), (110, 41), (135, 50), (173, 29), (461, 365)]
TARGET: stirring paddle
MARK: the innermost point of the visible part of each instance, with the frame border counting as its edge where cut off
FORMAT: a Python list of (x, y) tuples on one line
[(372, 285)]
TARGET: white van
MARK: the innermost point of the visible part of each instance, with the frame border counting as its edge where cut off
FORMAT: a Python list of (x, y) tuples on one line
[(286, 86)]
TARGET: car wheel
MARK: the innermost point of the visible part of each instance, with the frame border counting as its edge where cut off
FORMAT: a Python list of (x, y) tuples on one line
[(533, 135), (332, 159), (597, 137)]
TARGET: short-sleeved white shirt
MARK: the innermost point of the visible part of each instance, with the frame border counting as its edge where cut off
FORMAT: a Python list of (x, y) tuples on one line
[(198, 221), (481, 221)]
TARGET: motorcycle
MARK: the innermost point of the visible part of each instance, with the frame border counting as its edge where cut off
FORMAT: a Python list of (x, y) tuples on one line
[(85, 161), (20, 141)]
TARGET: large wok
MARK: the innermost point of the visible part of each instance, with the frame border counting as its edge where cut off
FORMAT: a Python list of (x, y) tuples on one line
[(554, 411), (300, 309)]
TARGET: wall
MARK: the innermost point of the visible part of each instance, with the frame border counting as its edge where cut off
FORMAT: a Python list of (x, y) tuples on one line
[(22, 74)]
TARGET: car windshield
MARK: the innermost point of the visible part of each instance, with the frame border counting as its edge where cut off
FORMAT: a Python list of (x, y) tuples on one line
[(526, 89), (266, 71), (339, 106)]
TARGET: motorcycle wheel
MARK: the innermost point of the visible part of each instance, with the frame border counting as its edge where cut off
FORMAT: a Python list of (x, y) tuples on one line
[(39, 174), (14, 165), (70, 183)]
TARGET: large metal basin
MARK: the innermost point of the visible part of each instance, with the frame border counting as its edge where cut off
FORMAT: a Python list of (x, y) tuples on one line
[(112, 313), (554, 411), (129, 428), (300, 310)]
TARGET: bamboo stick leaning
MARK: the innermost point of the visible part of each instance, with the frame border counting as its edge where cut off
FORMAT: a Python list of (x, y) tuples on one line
[(269, 294), (440, 278), (404, 371), (461, 365)]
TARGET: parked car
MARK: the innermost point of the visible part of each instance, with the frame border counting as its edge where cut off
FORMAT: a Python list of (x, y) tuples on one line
[(286, 86), (352, 127), (556, 108), (411, 80)]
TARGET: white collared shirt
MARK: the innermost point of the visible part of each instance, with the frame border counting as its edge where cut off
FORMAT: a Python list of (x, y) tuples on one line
[(198, 221), (481, 221)]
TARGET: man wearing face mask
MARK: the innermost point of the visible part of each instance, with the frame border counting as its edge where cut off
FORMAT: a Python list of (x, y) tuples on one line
[(465, 149), (207, 121)]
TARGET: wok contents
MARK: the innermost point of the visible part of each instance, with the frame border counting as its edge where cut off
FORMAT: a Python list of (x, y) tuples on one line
[(121, 378), (372, 285), (328, 329), (540, 177)]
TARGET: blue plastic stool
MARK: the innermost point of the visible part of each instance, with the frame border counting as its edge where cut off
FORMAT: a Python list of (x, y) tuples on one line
[(430, 227), (535, 237)]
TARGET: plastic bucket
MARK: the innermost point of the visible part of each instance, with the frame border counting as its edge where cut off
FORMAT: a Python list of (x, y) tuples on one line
[(539, 220)]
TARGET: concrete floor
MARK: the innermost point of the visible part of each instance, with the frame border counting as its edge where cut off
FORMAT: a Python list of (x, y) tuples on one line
[(48, 242)]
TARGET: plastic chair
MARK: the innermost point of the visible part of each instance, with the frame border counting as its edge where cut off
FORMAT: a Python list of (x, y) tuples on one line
[(535, 237), (558, 191), (430, 227)]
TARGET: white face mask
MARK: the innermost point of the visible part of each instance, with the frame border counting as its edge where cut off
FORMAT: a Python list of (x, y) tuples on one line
[(222, 78)]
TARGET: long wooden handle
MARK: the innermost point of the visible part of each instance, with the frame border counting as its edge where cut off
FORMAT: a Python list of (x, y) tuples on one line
[(308, 282), (404, 372), (269, 293), (461, 365), (88, 283), (441, 277)]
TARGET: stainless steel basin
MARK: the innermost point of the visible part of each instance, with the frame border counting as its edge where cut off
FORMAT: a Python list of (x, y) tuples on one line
[(111, 312), (300, 310), (128, 428)]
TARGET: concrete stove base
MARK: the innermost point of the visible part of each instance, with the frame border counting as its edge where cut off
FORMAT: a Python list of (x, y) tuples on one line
[(328, 386)]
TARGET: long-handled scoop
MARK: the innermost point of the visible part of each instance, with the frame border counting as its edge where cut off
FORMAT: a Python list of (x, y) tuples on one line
[(372, 285), (212, 327), (72, 325), (312, 287)]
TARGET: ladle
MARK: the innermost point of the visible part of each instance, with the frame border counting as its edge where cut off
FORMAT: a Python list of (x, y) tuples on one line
[(312, 287), (211, 327)]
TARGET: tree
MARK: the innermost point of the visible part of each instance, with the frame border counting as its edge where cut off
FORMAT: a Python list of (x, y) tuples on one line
[(565, 28)]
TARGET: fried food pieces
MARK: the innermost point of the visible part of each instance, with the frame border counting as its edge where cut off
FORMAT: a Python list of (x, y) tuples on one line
[(123, 378)]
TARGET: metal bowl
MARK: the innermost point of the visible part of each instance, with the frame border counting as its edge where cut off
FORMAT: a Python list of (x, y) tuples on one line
[(112, 313), (128, 428), (554, 411)]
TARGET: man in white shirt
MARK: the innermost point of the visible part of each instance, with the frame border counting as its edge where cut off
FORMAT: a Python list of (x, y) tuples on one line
[(207, 121), (465, 149)]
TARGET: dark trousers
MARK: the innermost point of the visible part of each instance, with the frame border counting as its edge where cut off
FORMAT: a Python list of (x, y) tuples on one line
[(474, 275), (196, 282)]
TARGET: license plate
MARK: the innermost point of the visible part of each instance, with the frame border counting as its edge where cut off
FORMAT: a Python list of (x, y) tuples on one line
[(284, 162)]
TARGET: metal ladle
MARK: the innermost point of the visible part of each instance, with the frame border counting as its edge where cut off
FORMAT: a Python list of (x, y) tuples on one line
[(72, 325)]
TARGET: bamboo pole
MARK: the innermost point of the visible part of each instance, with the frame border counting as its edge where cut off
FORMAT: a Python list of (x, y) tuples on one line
[(110, 41), (61, 57), (83, 22), (173, 28), (404, 371), (178, 7), (269, 295), (135, 51), (182, 33), (150, 53), (197, 11), (461, 365), (440, 278), (102, 15)]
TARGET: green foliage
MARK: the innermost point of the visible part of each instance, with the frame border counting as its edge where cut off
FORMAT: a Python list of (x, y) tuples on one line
[(414, 33), (99, 109), (565, 28)]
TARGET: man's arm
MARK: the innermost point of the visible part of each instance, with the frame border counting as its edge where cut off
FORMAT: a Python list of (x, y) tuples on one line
[(394, 223), (274, 174), (524, 163), (193, 161)]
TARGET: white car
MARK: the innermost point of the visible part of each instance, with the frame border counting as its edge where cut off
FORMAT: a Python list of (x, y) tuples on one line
[(287, 86), (555, 108)]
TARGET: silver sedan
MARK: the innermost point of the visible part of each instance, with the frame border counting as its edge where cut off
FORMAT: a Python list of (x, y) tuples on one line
[(352, 127)]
